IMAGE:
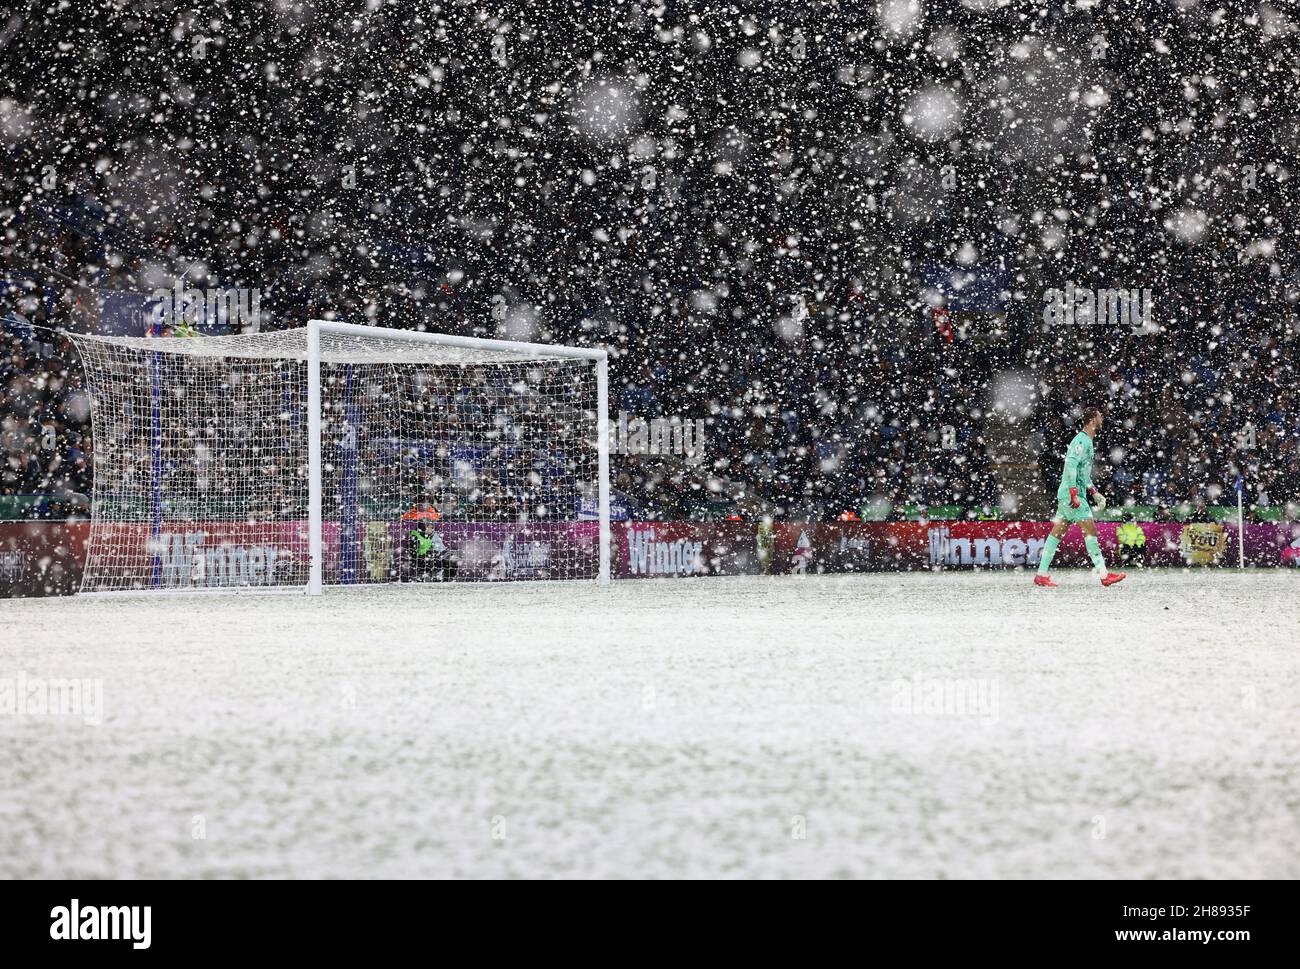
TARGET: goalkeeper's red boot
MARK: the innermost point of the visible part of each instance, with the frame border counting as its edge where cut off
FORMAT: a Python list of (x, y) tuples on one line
[(1045, 581), (1110, 578)]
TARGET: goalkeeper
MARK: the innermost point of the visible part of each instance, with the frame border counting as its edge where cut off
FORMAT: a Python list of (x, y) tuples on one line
[(1072, 506)]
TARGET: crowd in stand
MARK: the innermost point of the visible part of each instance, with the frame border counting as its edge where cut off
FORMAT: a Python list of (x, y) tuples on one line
[(904, 430), (801, 435), (44, 431)]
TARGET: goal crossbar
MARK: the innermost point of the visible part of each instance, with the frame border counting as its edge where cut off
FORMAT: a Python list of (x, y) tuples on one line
[(510, 348)]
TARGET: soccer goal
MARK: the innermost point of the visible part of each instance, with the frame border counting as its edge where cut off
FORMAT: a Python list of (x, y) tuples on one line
[(339, 454)]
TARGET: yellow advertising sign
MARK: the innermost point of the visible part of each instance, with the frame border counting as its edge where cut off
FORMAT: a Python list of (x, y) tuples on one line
[(1203, 543)]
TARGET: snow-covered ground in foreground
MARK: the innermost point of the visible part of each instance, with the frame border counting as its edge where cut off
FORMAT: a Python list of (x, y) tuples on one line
[(714, 727)]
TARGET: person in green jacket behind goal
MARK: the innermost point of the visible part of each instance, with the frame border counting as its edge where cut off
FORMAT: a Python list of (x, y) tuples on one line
[(430, 558)]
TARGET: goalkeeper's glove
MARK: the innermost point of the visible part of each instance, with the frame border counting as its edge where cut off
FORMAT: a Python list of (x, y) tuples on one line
[(1074, 497), (1098, 500)]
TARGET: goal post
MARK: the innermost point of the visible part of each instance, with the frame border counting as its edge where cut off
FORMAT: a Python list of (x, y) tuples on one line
[(340, 454), (315, 545)]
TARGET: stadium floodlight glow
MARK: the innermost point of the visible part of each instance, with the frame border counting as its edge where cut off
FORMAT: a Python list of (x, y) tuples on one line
[(312, 457)]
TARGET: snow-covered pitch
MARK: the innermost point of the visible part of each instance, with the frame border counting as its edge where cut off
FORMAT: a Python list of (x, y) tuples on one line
[(875, 725)]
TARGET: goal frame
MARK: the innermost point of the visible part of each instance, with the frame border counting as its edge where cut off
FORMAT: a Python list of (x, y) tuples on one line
[(599, 356)]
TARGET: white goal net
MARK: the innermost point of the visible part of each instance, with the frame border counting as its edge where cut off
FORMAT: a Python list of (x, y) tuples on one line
[(339, 454)]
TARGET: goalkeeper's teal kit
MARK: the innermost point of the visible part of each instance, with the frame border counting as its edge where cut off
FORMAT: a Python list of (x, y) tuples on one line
[(1076, 474)]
